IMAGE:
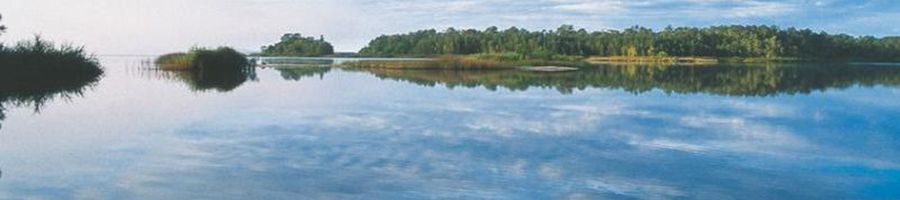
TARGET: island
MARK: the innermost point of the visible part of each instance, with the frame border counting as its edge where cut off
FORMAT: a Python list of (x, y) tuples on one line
[(569, 46), (221, 69), (296, 45)]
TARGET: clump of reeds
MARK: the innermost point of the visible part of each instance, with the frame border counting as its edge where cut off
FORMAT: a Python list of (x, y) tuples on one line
[(222, 58), (40, 65), (36, 71), (222, 69)]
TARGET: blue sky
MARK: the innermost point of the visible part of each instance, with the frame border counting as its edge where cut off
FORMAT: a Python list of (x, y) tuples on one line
[(112, 26)]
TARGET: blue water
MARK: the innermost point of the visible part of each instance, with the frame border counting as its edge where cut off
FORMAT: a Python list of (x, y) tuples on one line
[(349, 134)]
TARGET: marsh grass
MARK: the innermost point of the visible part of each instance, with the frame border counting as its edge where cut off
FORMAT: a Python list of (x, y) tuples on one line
[(652, 60), (222, 58), (175, 61), (220, 69), (39, 65), (37, 71), (471, 62)]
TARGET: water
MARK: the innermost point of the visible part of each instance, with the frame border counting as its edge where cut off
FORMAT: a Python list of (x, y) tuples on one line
[(639, 132)]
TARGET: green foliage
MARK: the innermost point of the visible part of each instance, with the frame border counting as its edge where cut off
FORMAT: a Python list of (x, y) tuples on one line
[(222, 69), (469, 62), (39, 64), (34, 72), (726, 80), (296, 45), (222, 58), (716, 41)]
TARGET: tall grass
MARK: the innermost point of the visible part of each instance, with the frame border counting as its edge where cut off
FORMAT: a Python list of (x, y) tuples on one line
[(222, 69), (222, 58), (41, 64), (36, 71)]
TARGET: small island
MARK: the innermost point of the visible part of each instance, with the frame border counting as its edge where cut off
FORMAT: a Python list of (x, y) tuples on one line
[(222, 69), (296, 45)]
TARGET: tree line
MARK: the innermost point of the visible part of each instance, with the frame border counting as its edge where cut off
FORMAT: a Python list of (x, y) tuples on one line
[(295, 44), (714, 41)]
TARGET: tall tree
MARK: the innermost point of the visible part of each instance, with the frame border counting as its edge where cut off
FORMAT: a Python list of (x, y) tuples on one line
[(295, 44)]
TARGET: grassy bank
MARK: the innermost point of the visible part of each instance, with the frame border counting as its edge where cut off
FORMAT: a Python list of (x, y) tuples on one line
[(652, 60), (471, 62)]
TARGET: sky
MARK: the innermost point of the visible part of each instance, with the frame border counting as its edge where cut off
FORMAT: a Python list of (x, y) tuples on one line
[(151, 27)]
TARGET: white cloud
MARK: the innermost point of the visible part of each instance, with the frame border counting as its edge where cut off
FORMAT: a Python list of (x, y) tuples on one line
[(110, 27), (760, 9), (595, 7), (640, 189)]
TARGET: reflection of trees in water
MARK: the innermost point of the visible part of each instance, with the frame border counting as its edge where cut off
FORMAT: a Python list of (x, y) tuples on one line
[(221, 80), (720, 80), (37, 71), (298, 73), (28, 89)]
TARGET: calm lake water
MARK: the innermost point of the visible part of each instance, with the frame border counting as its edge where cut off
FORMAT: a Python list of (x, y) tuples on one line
[(621, 132)]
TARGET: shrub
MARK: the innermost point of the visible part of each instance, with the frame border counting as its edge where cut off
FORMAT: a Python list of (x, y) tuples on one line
[(40, 65), (36, 71), (222, 69)]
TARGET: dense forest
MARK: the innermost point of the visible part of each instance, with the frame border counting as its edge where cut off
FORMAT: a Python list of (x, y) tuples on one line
[(715, 41), (295, 44)]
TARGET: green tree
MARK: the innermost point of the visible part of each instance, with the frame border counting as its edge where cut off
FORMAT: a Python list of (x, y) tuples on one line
[(295, 44), (715, 41)]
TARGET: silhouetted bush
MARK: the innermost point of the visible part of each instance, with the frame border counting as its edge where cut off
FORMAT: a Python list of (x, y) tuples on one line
[(36, 71), (222, 69)]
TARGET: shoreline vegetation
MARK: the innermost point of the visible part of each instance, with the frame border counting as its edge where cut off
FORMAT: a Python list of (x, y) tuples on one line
[(199, 58), (569, 47), (695, 60), (37, 71), (651, 60), (39, 66), (295, 44), (222, 69), (470, 62), (681, 45)]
